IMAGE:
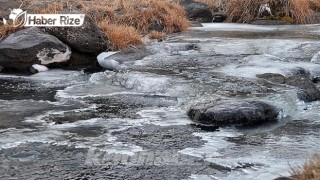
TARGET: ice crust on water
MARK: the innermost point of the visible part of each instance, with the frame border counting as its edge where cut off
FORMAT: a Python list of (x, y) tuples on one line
[(258, 56)]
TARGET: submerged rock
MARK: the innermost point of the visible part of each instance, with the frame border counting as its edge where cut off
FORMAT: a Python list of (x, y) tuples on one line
[(20, 50), (234, 112), (197, 10), (300, 71), (273, 77)]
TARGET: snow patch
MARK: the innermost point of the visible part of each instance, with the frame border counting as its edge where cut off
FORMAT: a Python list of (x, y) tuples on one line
[(50, 55), (40, 68), (109, 64)]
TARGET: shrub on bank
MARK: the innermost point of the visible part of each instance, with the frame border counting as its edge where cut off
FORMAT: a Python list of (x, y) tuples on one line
[(245, 11), (309, 171)]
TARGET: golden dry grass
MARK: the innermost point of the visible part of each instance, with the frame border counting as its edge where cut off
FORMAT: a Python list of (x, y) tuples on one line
[(309, 171), (156, 35), (120, 36), (140, 17), (123, 21), (245, 11), (143, 15), (7, 29)]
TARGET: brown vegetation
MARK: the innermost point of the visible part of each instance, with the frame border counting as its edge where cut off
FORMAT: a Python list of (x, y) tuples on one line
[(310, 171), (244, 11), (7, 29), (123, 21), (121, 36), (156, 35)]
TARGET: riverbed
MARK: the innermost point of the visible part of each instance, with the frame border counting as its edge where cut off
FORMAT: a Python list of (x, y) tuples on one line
[(133, 124)]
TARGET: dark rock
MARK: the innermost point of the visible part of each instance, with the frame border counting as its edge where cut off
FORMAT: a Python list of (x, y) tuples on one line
[(219, 17), (234, 112), (299, 71), (87, 38), (308, 90), (273, 77), (86, 61), (204, 127), (197, 10), (20, 50), (269, 22), (284, 178), (80, 59)]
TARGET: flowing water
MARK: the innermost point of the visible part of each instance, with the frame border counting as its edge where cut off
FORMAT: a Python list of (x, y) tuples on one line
[(133, 124)]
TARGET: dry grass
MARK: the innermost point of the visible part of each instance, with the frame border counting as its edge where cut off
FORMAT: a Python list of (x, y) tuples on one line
[(121, 36), (140, 17), (144, 15), (300, 11), (7, 29), (124, 21), (310, 171), (245, 11), (156, 35)]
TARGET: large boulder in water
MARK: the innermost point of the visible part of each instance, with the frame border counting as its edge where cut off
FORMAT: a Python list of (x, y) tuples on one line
[(234, 112), (197, 10), (20, 50), (87, 38)]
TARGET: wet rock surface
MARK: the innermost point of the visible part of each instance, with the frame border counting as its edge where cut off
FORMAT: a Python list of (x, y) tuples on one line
[(234, 112), (299, 78), (273, 77), (20, 50), (161, 138), (37, 160), (17, 89)]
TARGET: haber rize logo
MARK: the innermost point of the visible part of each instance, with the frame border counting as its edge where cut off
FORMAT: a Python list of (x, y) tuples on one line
[(22, 18)]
